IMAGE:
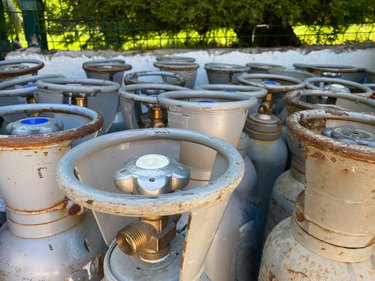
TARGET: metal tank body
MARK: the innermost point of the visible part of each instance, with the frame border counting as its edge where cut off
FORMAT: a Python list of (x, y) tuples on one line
[(268, 152), (98, 95), (224, 73), (188, 70), (139, 195), (10, 69), (222, 115), (47, 237), (140, 107), (328, 237), (345, 72), (291, 182), (111, 70)]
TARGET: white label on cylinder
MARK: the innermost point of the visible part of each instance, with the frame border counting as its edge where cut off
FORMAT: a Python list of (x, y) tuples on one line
[(152, 161)]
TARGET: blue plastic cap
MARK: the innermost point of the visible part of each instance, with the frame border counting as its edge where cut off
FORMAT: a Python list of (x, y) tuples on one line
[(34, 121)]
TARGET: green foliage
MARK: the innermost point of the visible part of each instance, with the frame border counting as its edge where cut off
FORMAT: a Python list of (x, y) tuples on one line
[(114, 23)]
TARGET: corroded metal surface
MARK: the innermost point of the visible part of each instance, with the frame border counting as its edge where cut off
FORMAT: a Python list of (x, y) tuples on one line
[(296, 101), (107, 66), (355, 88), (135, 78), (13, 68), (203, 203), (224, 73)]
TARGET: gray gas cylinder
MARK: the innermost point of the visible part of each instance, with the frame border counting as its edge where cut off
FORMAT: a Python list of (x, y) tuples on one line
[(47, 237), (111, 70), (268, 152), (345, 72), (291, 182), (258, 67), (140, 107), (188, 70), (328, 237), (137, 194), (222, 115), (99, 95), (10, 69), (224, 73)]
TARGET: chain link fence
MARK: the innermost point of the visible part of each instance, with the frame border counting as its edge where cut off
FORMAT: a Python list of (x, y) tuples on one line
[(32, 23)]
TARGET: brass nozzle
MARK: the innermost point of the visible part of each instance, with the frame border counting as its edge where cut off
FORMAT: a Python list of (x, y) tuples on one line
[(133, 237), (80, 101)]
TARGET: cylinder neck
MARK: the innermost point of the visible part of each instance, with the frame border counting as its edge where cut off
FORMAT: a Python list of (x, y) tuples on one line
[(263, 127)]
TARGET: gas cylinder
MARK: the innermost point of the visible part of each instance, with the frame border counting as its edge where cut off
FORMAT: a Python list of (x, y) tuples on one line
[(289, 184), (111, 70), (258, 68), (21, 90), (99, 95), (16, 91), (175, 58), (46, 237), (257, 92), (154, 77), (140, 107), (139, 195), (346, 72), (338, 85), (188, 70), (329, 237), (222, 115), (298, 74), (10, 69), (276, 85), (224, 73)]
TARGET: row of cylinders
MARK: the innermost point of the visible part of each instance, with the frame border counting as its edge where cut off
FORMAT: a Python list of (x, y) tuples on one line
[(207, 112)]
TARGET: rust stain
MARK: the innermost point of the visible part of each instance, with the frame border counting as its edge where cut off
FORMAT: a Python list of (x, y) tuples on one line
[(318, 155), (90, 202), (333, 159), (300, 217), (189, 222), (45, 153), (345, 170), (184, 247)]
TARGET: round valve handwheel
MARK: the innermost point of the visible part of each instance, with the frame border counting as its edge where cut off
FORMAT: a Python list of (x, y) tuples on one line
[(156, 205), (273, 83), (319, 83), (13, 68), (137, 78)]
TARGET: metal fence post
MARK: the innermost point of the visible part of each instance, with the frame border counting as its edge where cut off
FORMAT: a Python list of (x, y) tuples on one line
[(33, 21), (4, 43)]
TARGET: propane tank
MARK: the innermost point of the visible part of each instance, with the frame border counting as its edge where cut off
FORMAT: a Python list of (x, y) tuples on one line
[(139, 194), (258, 68), (298, 74), (21, 90), (345, 72), (154, 77), (175, 58), (224, 73), (222, 115), (140, 106), (338, 85), (10, 69), (111, 70), (99, 95), (257, 92), (329, 237), (291, 183), (188, 70), (46, 237)]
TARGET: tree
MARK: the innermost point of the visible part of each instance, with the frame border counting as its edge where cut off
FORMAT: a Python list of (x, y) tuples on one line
[(117, 21)]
